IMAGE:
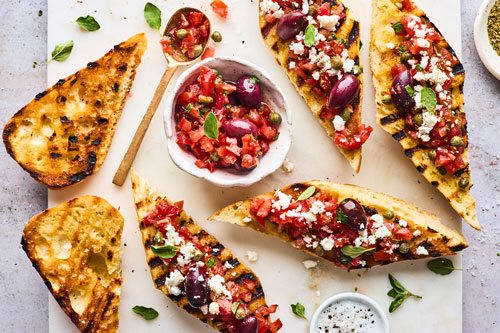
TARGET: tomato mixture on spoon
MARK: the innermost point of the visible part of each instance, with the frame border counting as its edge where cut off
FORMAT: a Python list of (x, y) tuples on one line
[(225, 124)]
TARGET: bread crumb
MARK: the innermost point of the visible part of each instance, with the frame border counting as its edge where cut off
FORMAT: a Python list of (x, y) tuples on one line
[(287, 166), (252, 256)]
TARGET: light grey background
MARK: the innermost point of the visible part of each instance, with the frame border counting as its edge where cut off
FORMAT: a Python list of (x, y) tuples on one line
[(23, 302)]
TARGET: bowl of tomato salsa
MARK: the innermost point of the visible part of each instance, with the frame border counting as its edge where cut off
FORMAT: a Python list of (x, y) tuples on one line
[(228, 122)]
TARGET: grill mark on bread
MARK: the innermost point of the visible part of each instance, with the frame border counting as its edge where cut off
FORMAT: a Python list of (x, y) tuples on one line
[(458, 69), (217, 249), (421, 169), (160, 281), (353, 35), (460, 172), (276, 47), (389, 119), (399, 135), (265, 30), (155, 262)]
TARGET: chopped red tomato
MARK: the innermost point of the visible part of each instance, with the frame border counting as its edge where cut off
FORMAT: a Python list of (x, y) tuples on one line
[(209, 53), (185, 125), (220, 8), (207, 80), (396, 69), (356, 140), (407, 5)]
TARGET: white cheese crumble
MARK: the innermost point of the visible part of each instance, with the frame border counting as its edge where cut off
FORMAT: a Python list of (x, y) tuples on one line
[(378, 220), (391, 45), (422, 251), (423, 43), (173, 281), (318, 207), (417, 233), (315, 75), (308, 264), (268, 6), (305, 6), (291, 65), (382, 232), (227, 265), (297, 48), (217, 285), (328, 22), (283, 201), (213, 308), (173, 237), (252, 255), (204, 309), (403, 223), (327, 243), (428, 123), (338, 123), (247, 219)]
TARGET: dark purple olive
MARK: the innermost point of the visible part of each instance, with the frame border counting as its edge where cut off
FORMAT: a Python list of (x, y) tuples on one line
[(196, 290), (399, 93), (237, 128), (291, 24), (249, 325), (343, 92), (237, 165), (356, 216), (248, 91)]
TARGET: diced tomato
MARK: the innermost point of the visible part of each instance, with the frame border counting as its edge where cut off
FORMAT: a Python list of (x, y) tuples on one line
[(268, 131), (195, 18), (254, 117), (407, 5), (324, 9), (246, 297), (183, 139), (166, 45), (195, 136), (382, 255), (209, 53), (206, 144), (185, 125), (220, 8), (186, 98), (357, 139), (264, 209), (207, 81), (396, 69), (269, 18), (403, 234), (249, 284)]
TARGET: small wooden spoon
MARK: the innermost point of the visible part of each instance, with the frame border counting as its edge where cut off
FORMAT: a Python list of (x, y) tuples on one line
[(175, 60)]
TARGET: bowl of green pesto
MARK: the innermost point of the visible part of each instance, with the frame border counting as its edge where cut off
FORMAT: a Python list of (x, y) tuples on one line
[(487, 35)]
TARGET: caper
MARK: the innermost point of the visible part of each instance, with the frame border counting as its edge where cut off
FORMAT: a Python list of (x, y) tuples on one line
[(240, 313), (404, 247), (214, 156), (158, 238), (386, 99), (463, 182), (357, 69), (198, 255), (432, 153), (319, 250), (203, 110), (418, 119), (311, 11), (181, 33), (275, 118), (457, 141), (463, 129), (205, 99), (345, 114), (216, 37), (405, 56), (336, 62), (442, 170), (389, 215), (197, 49)]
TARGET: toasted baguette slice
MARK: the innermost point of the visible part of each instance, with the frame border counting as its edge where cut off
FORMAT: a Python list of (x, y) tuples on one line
[(63, 135), (146, 198), (75, 247), (348, 30), (382, 60), (436, 238)]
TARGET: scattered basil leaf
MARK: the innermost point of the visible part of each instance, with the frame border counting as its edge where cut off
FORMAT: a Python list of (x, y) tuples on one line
[(442, 266), (355, 251), (253, 79), (418, 67), (210, 262), (392, 293), (398, 26), (146, 313), (88, 23), (402, 48), (342, 40), (341, 217), (428, 99), (409, 90), (396, 285), (307, 193), (399, 293), (62, 51), (152, 15), (398, 300), (299, 310), (309, 35), (165, 251), (211, 126)]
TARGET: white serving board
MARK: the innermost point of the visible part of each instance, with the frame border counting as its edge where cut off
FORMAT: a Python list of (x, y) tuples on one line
[(285, 280)]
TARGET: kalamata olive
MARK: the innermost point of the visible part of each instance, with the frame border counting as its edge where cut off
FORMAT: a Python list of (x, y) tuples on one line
[(236, 128), (249, 325), (356, 216), (237, 165), (196, 287), (291, 24), (343, 91), (399, 93), (248, 91)]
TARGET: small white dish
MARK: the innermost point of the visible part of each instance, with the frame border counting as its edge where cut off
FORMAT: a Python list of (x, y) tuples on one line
[(489, 57), (380, 325), (231, 69)]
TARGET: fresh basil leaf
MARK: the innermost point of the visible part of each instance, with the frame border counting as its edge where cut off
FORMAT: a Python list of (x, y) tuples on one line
[(299, 310), (418, 67), (399, 293), (165, 251), (210, 262), (307, 193), (88, 23), (409, 90), (152, 14), (396, 285), (398, 300), (398, 26), (392, 293), (146, 313), (62, 51), (428, 99), (309, 35), (341, 217), (253, 79), (442, 266), (355, 251), (211, 126)]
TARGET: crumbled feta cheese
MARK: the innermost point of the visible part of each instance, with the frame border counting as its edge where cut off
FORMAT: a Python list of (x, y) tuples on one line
[(423, 43), (371, 240), (173, 281), (424, 62), (318, 207), (201, 278), (247, 219), (378, 220), (227, 265), (439, 88), (417, 233), (295, 212), (328, 21), (338, 123), (391, 45), (403, 223), (348, 65), (291, 65), (188, 251), (297, 48), (279, 13), (419, 76), (419, 33), (252, 256), (287, 166), (305, 6), (308, 264), (213, 308), (315, 75), (268, 6), (204, 309), (362, 263), (309, 216), (217, 285), (382, 232), (422, 251), (413, 21), (327, 243), (429, 120), (172, 236), (362, 238), (283, 201)]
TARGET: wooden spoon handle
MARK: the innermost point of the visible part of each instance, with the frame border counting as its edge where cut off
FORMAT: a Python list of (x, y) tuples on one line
[(123, 169)]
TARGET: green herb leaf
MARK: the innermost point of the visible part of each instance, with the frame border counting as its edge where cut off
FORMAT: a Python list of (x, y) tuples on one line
[(146, 313), (442, 266), (211, 126), (210, 262), (392, 293), (165, 251), (307, 193), (342, 40), (402, 48), (341, 217), (62, 51), (309, 35), (396, 285), (418, 67), (355, 251), (428, 99), (398, 300), (152, 14), (398, 26), (88, 23), (409, 90), (399, 293), (299, 310), (189, 107), (254, 79)]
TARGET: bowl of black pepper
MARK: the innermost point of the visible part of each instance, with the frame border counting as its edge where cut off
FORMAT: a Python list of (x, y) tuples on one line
[(487, 35)]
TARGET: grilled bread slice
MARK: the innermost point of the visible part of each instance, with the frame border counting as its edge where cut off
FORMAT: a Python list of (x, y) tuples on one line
[(146, 198), (428, 236), (347, 30), (63, 135), (75, 247), (382, 58)]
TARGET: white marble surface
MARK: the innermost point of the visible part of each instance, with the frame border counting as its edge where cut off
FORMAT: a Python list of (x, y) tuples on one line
[(24, 297)]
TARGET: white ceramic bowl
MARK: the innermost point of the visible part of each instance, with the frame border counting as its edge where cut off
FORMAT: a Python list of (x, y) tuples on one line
[(231, 69), (488, 56), (381, 317)]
